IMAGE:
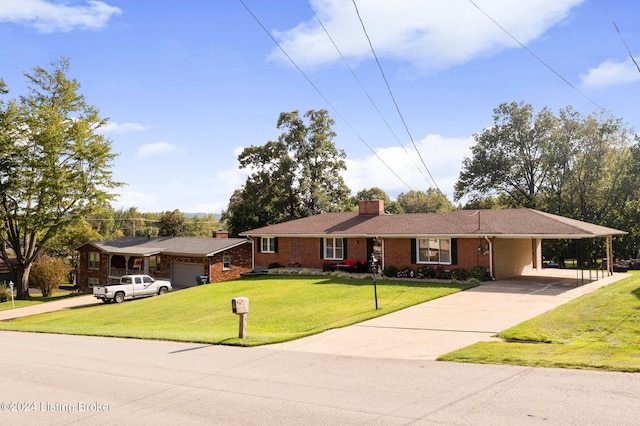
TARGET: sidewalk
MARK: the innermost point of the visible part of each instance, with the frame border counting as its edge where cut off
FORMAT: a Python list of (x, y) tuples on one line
[(435, 328), (67, 303)]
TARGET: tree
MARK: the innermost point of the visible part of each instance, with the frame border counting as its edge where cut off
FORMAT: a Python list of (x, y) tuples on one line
[(432, 201), (54, 167), (510, 157), (296, 176), (172, 224)]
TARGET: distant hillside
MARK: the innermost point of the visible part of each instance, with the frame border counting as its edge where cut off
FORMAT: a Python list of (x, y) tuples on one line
[(191, 215)]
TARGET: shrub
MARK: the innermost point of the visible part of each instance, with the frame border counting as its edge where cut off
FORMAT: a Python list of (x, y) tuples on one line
[(4, 293), (273, 265), (426, 272), (390, 271), (459, 274), (480, 273), (47, 274)]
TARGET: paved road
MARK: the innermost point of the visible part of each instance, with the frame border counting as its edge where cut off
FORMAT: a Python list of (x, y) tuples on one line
[(75, 380)]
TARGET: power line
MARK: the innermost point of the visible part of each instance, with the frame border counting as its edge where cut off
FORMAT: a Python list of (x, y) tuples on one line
[(620, 35), (384, 77), (320, 92), (346, 63), (536, 56)]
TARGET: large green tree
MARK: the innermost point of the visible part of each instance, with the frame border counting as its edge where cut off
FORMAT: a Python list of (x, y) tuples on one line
[(296, 176), (511, 157), (432, 201), (54, 166)]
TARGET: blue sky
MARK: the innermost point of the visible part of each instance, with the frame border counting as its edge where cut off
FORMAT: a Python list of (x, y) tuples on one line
[(186, 85)]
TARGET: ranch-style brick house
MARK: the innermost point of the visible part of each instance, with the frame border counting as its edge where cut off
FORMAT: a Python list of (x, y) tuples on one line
[(506, 242), (178, 259)]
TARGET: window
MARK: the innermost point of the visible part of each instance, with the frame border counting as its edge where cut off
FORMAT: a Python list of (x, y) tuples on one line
[(333, 248), (94, 260), (226, 262), (93, 281), (268, 245), (432, 250)]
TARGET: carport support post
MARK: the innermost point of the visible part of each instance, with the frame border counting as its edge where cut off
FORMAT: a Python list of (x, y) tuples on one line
[(242, 329)]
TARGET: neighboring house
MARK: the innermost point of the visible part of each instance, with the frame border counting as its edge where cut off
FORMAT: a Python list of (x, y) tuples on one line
[(178, 259), (5, 272), (506, 242)]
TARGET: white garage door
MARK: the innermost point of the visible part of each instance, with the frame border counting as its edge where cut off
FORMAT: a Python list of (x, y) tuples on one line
[(184, 274)]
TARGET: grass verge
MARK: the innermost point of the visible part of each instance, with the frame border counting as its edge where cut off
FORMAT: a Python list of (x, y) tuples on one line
[(280, 309), (598, 331)]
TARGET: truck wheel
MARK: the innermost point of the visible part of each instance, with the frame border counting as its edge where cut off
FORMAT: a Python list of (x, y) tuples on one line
[(163, 290), (106, 300), (119, 297)]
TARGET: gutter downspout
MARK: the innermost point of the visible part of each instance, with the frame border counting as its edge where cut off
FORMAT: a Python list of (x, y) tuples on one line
[(253, 261), (490, 257)]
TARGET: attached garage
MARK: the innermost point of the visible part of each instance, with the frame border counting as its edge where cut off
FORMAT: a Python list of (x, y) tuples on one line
[(184, 274)]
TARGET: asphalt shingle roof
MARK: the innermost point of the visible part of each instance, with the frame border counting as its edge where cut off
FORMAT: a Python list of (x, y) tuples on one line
[(499, 223), (168, 245)]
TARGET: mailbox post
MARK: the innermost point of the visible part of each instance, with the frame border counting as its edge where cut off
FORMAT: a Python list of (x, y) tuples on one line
[(11, 289), (240, 307)]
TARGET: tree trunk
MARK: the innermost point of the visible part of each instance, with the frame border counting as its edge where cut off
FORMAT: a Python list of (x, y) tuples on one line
[(21, 273)]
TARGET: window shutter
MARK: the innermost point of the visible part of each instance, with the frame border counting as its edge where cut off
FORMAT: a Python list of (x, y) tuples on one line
[(454, 251), (414, 257), (321, 248), (260, 245), (344, 249), (275, 244)]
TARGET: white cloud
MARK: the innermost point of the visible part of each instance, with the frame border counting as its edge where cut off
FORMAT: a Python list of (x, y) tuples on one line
[(443, 157), (121, 128), (149, 149), (144, 201), (427, 35), (610, 73), (47, 16)]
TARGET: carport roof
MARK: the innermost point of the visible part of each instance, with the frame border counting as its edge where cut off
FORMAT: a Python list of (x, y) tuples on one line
[(144, 246), (507, 223)]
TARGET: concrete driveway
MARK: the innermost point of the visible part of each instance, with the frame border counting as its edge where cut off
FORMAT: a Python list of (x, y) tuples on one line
[(434, 328)]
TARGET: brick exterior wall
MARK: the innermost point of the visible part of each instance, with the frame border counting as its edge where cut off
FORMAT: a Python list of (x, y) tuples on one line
[(240, 263), (397, 252)]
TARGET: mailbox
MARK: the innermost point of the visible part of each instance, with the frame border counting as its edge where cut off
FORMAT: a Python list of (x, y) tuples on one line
[(240, 305)]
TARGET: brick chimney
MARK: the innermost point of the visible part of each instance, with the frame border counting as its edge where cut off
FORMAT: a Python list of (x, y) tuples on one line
[(220, 234), (371, 207)]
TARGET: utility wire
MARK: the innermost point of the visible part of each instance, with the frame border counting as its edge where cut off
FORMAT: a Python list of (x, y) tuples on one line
[(536, 56), (384, 77), (344, 60), (320, 93), (620, 35)]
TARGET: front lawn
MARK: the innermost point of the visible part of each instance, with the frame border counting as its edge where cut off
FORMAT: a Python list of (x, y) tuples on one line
[(600, 330), (280, 309)]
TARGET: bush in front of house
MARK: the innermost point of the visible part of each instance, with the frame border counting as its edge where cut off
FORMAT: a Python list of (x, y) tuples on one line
[(4, 293), (479, 273), (47, 274), (459, 274), (274, 265), (390, 271)]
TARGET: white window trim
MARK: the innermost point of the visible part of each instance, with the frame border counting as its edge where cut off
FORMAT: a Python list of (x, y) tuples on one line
[(226, 260), (439, 261), (271, 244), (334, 248)]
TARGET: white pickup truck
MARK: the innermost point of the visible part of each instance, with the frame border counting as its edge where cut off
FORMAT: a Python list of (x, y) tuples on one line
[(131, 286)]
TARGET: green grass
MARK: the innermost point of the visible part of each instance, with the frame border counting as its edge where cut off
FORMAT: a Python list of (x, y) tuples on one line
[(36, 299), (600, 330), (280, 309)]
